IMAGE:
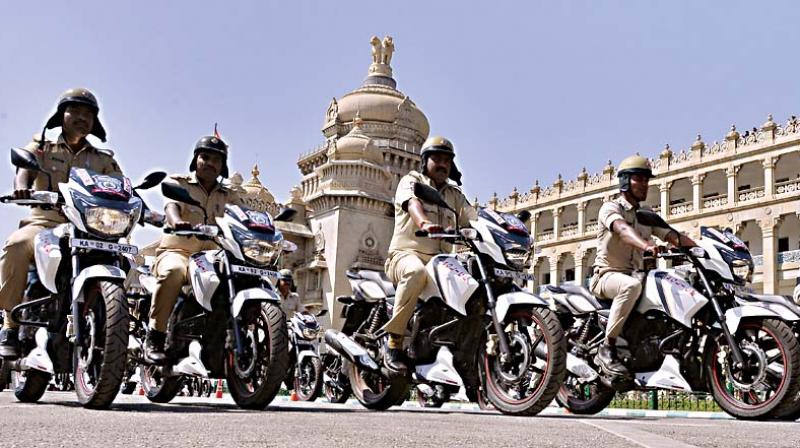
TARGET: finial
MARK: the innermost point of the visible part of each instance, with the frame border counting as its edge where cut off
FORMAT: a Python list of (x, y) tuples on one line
[(583, 175), (666, 153), (698, 144), (382, 52), (769, 124), (255, 172), (733, 134)]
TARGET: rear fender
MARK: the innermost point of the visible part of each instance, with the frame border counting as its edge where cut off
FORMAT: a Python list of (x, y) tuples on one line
[(517, 299), (95, 272), (252, 294)]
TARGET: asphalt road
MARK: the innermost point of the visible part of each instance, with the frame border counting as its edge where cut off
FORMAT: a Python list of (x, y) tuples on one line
[(193, 422)]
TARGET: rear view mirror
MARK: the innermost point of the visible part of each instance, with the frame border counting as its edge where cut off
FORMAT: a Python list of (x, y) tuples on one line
[(430, 195), (524, 216), (322, 313), (288, 246), (286, 214), (179, 194), (24, 159), (151, 180)]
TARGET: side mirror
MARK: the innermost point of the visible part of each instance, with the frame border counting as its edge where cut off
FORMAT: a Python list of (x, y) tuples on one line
[(151, 180), (430, 195), (524, 216), (322, 313), (25, 160), (288, 246), (179, 194), (286, 214), (652, 219)]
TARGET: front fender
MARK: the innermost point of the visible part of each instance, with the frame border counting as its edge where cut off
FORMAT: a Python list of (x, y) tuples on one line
[(305, 354), (96, 271), (506, 301), (734, 316), (258, 294)]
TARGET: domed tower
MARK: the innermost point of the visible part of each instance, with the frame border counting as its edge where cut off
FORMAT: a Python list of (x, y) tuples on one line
[(372, 138)]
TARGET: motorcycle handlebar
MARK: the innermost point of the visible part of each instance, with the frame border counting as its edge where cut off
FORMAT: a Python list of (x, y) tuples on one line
[(201, 231), (37, 198)]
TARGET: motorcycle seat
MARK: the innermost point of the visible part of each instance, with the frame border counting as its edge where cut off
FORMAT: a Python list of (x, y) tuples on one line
[(368, 280), (579, 298)]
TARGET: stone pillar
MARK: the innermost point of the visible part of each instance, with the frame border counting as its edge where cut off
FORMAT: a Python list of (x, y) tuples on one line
[(554, 269), (579, 256), (697, 192), (769, 176), (557, 222), (581, 217), (731, 173), (533, 225), (664, 190), (770, 274)]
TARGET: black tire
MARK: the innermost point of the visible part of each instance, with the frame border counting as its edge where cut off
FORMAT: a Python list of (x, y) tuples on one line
[(157, 388), (431, 401), (337, 394), (375, 391), (257, 389), (767, 333), (313, 371), (584, 399), (549, 378), (98, 383), (128, 388), (29, 386), (337, 389)]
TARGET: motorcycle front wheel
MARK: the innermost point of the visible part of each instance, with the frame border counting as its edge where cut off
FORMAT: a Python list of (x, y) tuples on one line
[(308, 384), (529, 379), (101, 354), (255, 377), (768, 383)]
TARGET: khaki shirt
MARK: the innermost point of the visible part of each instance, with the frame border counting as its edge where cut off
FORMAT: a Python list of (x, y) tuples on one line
[(614, 255), (404, 228), (57, 159), (291, 304), (214, 203)]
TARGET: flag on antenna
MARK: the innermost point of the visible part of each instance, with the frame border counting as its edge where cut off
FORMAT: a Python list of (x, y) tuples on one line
[(216, 132)]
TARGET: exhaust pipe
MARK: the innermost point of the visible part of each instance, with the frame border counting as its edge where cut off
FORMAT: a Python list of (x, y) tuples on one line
[(575, 365), (350, 349)]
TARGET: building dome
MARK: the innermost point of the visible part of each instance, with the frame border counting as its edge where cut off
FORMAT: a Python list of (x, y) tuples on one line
[(378, 100), (356, 146), (253, 193)]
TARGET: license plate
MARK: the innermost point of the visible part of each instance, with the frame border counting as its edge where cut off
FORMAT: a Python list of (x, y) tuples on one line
[(514, 275), (258, 272), (104, 246)]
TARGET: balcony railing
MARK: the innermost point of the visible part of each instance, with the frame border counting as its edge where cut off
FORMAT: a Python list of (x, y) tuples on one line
[(592, 227), (545, 236), (790, 256), (751, 194), (788, 186), (680, 209), (758, 260), (715, 201), (568, 231)]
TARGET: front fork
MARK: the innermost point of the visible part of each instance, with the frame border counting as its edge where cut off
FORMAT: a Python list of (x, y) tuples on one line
[(505, 350), (238, 344), (735, 351)]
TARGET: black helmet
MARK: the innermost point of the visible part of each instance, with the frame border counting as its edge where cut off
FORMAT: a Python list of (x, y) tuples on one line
[(213, 144), (630, 166), (438, 144), (77, 96)]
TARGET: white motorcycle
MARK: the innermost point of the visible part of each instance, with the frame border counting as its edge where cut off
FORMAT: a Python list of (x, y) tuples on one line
[(473, 326), (74, 318), (227, 322), (689, 332), (305, 373)]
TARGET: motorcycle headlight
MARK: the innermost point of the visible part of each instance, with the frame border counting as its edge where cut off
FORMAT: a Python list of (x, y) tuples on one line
[(258, 251), (516, 248), (741, 269), (108, 221), (311, 333)]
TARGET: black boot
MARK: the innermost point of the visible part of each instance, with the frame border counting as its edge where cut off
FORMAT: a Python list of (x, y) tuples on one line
[(9, 343), (154, 347), (609, 361), (393, 360)]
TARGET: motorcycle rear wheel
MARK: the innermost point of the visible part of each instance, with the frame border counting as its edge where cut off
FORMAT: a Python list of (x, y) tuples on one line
[(29, 386), (375, 391), (508, 383), (157, 388), (268, 341), (100, 359), (584, 399)]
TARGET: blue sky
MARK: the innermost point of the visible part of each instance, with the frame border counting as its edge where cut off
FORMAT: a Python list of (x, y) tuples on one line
[(526, 90)]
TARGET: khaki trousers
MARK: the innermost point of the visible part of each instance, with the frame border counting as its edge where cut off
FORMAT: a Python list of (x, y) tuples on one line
[(172, 271), (15, 259), (407, 271), (624, 290)]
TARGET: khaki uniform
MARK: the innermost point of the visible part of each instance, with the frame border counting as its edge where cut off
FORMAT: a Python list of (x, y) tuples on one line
[(291, 304), (57, 159), (408, 254), (616, 261), (172, 256)]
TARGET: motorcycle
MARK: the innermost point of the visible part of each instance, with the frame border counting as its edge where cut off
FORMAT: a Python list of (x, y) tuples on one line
[(227, 323), (687, 333), (305, 376), (74, 317), (497, 338), (335, 383)]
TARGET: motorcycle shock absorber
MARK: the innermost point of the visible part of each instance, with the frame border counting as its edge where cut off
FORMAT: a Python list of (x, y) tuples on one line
[(376, 319)]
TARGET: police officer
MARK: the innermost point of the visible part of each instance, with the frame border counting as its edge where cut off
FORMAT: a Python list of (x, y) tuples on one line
[(290, 300), (621, 241), (408, 254), (76, 114), (210, 161)]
